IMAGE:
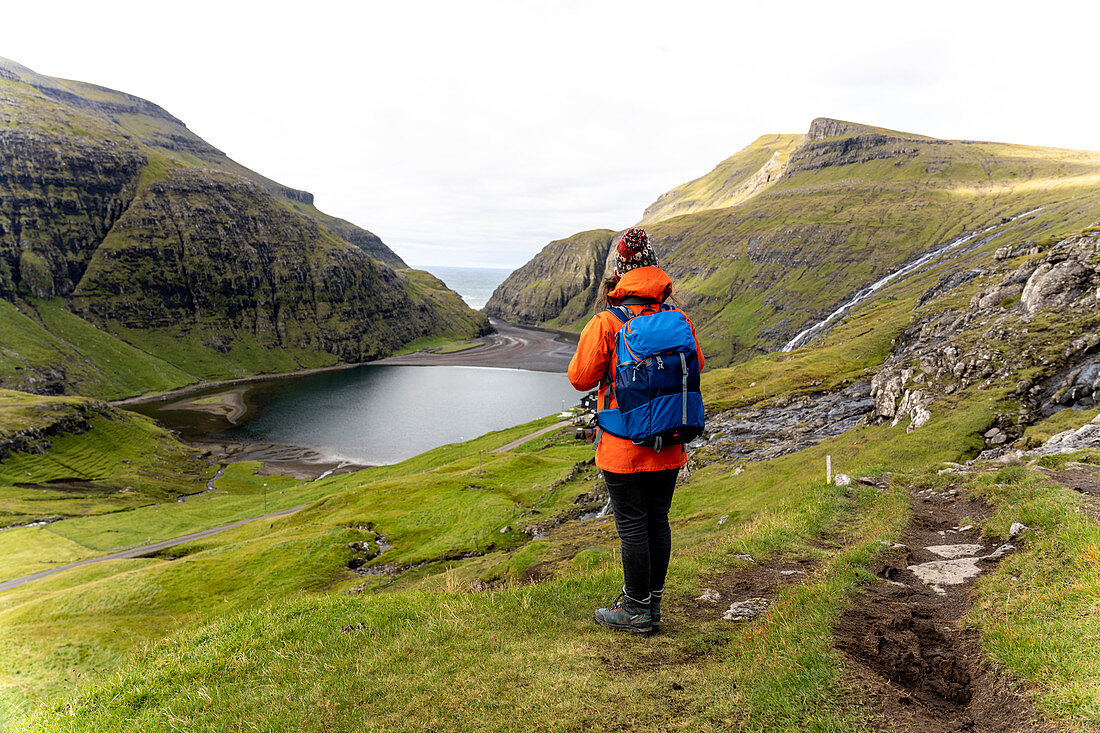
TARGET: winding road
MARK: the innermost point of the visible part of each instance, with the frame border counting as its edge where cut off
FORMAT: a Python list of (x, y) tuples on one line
[(142, 550)]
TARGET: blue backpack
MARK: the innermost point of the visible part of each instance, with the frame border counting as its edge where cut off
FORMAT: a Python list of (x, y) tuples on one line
[(654, 377)]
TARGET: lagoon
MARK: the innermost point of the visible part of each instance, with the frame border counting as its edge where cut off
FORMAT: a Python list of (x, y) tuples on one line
[(371, 414)]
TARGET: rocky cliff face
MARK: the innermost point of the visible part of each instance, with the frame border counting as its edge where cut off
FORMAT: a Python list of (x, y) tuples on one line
[(157, 238), (1034, 321), (835, 143), (558, 286), (183, 258), (59, 196), (1016, 328), (843, 206)]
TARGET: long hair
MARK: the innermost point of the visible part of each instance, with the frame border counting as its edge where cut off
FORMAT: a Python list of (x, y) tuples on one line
[(606, 287)]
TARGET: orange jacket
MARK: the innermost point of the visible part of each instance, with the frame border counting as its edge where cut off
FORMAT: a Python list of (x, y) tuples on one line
[(590, 365)]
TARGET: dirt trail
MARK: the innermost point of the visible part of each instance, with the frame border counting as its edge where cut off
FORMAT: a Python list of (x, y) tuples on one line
[(1080, 477), (912, 661)]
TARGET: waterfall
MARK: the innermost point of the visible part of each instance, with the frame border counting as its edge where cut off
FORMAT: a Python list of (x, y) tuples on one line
[(863, 295)]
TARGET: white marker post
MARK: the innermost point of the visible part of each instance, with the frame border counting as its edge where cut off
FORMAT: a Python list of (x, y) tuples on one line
[(828, 469)]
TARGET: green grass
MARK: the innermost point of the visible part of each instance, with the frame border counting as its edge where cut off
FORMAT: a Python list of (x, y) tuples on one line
[(38, 337), (246, 355), (1042, 431), (128, 369), (456, 346), (104, 461), (413, 646)]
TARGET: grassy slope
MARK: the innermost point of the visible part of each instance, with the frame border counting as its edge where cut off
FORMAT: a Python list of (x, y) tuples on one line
[(435, 654), (93, 614), (732, 181), (122, 461), (45, 342), (43, 334), (880, 215), (754, 273), (414, 644)]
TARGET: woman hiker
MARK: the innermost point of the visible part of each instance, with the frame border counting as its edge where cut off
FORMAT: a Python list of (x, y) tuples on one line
[(640, 480)]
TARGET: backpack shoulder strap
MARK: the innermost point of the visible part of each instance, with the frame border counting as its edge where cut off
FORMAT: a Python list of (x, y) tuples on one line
[(621, 312)]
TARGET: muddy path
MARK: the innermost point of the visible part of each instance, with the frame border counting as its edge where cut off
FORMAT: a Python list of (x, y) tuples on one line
[(910, 657)]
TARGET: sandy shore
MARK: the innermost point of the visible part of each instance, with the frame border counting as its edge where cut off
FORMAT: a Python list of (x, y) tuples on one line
[(511, 347), (286, 460), (228, 405)]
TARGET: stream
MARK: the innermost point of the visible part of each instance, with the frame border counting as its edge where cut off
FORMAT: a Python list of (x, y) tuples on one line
[(209, 486), (910, 267)]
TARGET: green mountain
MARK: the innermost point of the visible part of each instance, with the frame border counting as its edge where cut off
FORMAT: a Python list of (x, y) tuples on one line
[(558, 285), (134, 256), (791, 228)]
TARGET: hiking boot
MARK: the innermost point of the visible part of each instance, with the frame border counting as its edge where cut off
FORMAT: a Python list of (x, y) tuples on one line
[(625, 614), (655, 610)]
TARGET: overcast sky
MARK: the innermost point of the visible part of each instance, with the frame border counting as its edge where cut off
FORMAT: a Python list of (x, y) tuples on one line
[(472, 133)]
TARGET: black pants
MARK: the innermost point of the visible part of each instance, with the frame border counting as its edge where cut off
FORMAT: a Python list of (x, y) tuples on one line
[(641, 502)]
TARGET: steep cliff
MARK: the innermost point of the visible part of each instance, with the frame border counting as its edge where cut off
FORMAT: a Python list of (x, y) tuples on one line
[(841, 207), (558, 285), (112, 210)]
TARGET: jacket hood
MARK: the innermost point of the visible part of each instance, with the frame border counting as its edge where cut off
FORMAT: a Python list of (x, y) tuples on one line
[(644, 282)]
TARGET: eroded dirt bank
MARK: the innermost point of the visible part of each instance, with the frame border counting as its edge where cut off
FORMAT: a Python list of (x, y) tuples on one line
[(910, 654)]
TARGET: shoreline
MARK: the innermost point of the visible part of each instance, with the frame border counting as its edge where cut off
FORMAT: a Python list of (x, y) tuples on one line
[(300, 462), (190, 389), (496, 349)]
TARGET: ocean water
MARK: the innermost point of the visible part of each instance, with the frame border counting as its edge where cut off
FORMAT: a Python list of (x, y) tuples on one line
[(474, 284)]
